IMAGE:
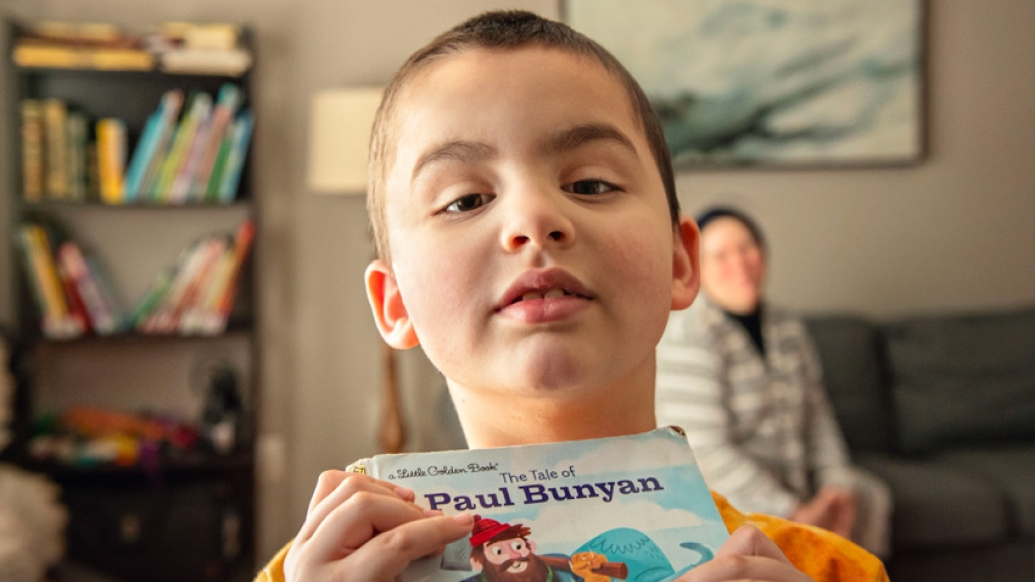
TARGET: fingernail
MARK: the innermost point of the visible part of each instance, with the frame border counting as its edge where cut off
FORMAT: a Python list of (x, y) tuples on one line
[(464, 519), (404, 492)]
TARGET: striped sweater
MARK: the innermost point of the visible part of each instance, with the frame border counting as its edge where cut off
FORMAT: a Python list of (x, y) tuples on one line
[(762, 430)]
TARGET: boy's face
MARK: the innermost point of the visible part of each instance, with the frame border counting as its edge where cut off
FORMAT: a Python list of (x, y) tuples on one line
[(532, 245)]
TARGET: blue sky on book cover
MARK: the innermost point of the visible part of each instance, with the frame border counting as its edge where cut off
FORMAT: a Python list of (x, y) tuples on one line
[(638, 501)]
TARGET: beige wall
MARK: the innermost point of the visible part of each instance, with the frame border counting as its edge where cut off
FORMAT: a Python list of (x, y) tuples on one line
[(957, 231)]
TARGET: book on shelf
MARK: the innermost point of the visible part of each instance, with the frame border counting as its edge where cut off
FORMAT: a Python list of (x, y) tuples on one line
[(228, 101), (76, 136), (111, 158), (230, 174), (56, 319), (151, 145), (33, 170), (55, 115), (628, 508)]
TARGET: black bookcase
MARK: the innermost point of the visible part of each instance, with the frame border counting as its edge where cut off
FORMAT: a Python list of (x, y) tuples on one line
[(190, 516)]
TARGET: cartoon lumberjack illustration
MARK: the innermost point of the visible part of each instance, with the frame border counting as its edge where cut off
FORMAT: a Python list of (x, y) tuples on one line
[(502, 552)]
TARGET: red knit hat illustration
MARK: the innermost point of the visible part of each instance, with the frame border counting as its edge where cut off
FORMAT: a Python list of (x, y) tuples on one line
[(485, 529)]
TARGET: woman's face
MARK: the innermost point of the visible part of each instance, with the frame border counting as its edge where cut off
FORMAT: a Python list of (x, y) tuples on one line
[(732, 265)]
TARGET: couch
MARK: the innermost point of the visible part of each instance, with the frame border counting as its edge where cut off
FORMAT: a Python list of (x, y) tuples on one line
[(943, 409)]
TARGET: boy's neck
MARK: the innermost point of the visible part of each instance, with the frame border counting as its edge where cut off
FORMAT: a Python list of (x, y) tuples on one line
[(616, 410)]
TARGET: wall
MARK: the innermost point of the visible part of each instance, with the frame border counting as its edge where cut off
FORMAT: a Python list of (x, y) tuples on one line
[(955, 232)]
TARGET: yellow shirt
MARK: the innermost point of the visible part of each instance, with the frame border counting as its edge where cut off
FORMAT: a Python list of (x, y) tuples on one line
[(824, 556)]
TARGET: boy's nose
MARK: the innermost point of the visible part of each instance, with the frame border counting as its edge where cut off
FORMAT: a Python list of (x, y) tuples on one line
[(537, 220)]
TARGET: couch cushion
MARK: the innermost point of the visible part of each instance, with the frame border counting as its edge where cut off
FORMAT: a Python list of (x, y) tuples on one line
[(936, 504), (963, 379), (1012, 470), (849, 350)]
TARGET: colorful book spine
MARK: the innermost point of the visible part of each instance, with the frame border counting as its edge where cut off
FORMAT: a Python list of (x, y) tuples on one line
[(226, 107), (111, 159), (172, 103), (220, 315), (235, 161), (103, 317), (199, 108), (57, 321), (32, 151), (181, 187), (54, 114)]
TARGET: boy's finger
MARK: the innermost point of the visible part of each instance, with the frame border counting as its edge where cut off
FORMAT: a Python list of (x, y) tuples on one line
[(385, 556), (747, 555), (345, 488), (352, 523), (330, 480)]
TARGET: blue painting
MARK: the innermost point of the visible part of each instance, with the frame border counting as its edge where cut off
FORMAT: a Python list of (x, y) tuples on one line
[(772, 82)]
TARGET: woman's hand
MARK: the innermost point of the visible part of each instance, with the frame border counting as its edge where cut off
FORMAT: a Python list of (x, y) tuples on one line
[(365, 529), (747, 555)]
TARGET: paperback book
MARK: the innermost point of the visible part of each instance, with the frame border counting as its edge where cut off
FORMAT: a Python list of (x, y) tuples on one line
[(631, 508)]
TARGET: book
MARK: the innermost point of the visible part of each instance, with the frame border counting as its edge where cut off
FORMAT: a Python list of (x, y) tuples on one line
[(111, 159), (55, 149), (219, 312), (32, 150), (630, 508), (76, 136), (235, 160)]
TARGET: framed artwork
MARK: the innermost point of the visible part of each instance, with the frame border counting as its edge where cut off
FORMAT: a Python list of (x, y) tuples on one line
[(773, 83)]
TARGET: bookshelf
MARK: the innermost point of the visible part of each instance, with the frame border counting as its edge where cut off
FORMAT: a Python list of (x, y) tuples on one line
[(178, 503)]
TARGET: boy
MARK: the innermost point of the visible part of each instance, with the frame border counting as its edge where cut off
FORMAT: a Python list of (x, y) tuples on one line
[(524, 210)]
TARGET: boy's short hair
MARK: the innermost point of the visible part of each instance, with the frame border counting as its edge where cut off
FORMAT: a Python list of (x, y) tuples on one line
[(501, 29)]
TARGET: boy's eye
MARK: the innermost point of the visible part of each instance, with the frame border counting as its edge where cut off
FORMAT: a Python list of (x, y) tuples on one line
[(467, 203), (591, 187)]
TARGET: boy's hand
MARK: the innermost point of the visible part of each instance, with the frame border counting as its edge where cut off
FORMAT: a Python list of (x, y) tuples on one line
[(362, 529), (747, 555)]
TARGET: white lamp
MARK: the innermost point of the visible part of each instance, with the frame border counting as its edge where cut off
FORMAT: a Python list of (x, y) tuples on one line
[(339, 135)]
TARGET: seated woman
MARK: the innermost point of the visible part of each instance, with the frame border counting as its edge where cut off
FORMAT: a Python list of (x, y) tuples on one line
[(743, 378)]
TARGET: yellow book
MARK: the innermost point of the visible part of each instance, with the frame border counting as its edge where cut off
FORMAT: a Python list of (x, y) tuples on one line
[(111, 159)]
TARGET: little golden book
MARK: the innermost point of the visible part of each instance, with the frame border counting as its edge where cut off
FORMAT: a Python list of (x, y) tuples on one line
[(632, 508)]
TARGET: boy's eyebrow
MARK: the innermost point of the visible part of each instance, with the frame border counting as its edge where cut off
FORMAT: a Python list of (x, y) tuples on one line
[(458, 150), (580, 135)]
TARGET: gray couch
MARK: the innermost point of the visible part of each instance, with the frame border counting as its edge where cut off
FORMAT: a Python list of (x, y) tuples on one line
[(943, 409)]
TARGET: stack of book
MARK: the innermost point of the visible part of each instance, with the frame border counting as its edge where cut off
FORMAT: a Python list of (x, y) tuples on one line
[(81, 46), (196, 296), (196, 157), (71, 291)]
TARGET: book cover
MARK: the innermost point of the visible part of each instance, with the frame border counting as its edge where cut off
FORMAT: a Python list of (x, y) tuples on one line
[(32, 150), (629, 508), (103, 317)]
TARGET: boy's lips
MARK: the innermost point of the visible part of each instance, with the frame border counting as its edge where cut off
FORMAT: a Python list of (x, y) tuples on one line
[(540, 296)]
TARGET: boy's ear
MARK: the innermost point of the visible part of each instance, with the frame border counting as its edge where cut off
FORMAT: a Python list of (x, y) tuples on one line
[(387, 305), (686, 271)]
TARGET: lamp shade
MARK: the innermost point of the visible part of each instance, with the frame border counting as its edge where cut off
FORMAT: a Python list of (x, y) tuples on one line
[(339, 136)]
